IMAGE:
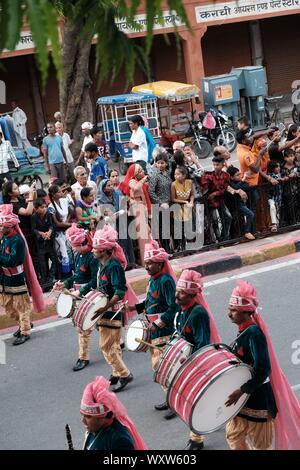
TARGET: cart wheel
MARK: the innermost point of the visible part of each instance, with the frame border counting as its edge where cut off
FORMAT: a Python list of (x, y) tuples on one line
[(123, 166)]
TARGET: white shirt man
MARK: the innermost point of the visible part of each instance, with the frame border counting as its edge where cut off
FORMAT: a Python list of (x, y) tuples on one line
[(140, 149), (82, 181)]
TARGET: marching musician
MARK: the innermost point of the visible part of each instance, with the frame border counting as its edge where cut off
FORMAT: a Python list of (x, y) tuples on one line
[(160, 305), (272, 403), (108, 425), (16, 273), (111, 280), (84, 277), (194, 323)]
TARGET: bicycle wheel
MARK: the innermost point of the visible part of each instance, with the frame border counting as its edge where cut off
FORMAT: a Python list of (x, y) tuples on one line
[(203, 150), (229, 142)]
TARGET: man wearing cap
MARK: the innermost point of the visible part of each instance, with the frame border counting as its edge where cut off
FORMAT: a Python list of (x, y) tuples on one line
[(84, 277), (194, 323), (16, 271), (160, 305), (108, 425), (111, 279), (86, 128)]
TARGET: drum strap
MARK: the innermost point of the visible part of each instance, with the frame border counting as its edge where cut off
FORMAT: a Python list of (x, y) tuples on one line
[(233, 344), (175, 321)]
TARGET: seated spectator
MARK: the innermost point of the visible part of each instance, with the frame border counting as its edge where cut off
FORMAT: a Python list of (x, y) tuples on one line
[(99, 168), (275, 195), (215, 185), (86, 212), (183, 196), (43, 231), (81, 176), (240, 189)]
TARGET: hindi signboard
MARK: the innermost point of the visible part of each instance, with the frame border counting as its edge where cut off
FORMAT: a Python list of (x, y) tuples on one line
[(169, 20), (223, 11)]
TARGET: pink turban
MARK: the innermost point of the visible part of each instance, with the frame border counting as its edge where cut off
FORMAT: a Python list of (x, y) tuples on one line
[(191, 282), (156, 254), (244, 297), (287, 421), (97, 401), (75, 235), (9, 220)]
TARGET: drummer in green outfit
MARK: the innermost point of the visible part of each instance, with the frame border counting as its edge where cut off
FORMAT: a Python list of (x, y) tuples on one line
[(108, 425), (83, 279), (195, 324), (159, 305)]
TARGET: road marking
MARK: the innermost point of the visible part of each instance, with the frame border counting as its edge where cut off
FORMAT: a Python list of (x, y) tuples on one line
[(223, 280)]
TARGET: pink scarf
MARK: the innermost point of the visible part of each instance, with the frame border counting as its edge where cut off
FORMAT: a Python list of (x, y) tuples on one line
[(287, 421), (97, 401)]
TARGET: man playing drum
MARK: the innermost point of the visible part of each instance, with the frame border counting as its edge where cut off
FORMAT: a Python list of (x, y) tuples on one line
[(111, 280), (272, 401), (160, 305), (194, 323), (84, 277), (16, 273), (108, 425)]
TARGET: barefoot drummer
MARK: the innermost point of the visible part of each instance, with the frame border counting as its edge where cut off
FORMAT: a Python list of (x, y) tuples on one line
[(84, 277), (194, 323)]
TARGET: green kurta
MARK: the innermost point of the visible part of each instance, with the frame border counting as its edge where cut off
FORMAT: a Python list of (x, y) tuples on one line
[(196, 326), (13, 255), (86, 269), (114, 437), (251, 347), (161, 299), (112, 280)]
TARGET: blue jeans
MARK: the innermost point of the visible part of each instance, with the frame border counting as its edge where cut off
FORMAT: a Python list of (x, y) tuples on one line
[(249, 217), (253, 195)]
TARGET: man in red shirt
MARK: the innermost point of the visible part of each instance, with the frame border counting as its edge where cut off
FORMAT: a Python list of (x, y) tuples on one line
[(215, 184)]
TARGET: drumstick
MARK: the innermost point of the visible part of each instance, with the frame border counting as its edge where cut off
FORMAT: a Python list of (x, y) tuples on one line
[(119, 310), (141, 341), (136, 328)]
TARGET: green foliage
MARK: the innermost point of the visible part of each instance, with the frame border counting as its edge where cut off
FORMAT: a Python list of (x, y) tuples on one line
[(114, 51)]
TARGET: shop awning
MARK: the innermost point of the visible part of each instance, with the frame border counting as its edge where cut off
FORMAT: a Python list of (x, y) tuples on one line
[(172, 91)]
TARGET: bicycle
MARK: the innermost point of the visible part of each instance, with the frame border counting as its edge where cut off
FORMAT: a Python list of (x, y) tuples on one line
[(276, 117)]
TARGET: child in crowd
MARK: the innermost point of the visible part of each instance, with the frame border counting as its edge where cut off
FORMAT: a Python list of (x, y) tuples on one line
[(43, 231), (183, 196), (240, 190), (86, 212), (275, 194)]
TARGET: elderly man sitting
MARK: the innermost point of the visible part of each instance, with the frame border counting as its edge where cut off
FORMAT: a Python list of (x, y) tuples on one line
[(82, 181)]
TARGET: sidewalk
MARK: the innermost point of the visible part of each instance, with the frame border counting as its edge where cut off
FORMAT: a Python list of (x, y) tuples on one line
[(207, 263)]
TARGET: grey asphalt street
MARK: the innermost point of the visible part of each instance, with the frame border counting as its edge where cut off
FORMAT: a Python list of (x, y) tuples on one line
[(40, 393)]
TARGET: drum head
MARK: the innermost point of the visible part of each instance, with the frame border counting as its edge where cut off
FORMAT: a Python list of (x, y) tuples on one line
[(135, 330), (209, 413), (64, 305)]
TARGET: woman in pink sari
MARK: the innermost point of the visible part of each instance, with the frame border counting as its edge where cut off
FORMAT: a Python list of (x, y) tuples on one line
[(135, 187)]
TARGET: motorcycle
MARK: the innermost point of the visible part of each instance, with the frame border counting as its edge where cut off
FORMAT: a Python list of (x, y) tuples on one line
[(220, 134), (200, 143)]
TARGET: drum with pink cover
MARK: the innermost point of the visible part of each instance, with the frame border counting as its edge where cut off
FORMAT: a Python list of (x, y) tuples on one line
[(202, 386), (174, 356)]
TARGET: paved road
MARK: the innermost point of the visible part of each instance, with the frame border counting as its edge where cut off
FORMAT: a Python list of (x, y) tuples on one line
[(39, 392)]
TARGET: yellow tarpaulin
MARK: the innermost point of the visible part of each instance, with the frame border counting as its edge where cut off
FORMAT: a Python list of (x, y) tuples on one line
[(172, 91)]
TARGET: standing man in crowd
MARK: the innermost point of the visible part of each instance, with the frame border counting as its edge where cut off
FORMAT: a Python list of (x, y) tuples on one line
[(67, 141), (6, 153), (138, 142), (86, 128), (55, 155)]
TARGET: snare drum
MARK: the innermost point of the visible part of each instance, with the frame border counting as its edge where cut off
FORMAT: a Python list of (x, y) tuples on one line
[(65, 305), (138, 329), (202, 386), (175, 354), (87, 308)]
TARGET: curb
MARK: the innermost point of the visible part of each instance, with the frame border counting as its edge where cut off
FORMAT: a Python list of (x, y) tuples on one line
[(224, 263)]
